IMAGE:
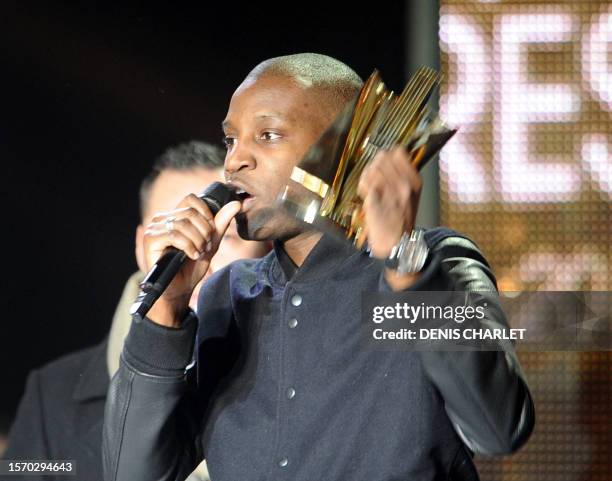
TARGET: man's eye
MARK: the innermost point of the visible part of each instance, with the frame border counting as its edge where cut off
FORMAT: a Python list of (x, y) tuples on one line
[(228, 141), (269, 136)]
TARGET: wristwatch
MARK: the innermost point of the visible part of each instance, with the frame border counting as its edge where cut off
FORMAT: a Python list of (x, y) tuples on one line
[(409, 254)]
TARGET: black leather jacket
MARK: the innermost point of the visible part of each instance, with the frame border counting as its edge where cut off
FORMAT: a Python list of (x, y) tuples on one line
[(159, 403)]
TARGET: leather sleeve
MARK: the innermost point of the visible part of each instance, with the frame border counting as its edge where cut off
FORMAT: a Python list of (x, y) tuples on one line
[(485, 392), (152, 415), (157, 401)]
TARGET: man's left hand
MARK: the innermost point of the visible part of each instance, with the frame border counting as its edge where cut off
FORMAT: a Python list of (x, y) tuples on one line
[(390, 188)]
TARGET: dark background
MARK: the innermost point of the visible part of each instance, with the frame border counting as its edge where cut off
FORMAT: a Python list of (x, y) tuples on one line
[(91, 94)]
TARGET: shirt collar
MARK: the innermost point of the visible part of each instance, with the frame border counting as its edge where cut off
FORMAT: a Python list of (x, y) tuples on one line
[(325, 257), (286, 263)]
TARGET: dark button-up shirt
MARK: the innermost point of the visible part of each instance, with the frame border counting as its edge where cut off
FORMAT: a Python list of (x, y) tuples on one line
[(280, 387)]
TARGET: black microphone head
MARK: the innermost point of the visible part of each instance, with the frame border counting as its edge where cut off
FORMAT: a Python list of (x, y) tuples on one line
[(216, 195)]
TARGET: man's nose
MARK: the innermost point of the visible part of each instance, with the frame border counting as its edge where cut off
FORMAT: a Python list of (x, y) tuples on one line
[(238, 157)]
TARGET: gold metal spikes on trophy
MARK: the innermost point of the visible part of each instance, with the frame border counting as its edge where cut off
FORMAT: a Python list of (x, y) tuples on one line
[(323, 186)]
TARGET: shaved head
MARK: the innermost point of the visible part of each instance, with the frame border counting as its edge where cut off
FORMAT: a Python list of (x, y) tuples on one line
[(334, 82), (274, 117)]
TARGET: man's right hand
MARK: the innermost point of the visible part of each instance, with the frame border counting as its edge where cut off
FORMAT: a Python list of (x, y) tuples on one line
[(191, 228)]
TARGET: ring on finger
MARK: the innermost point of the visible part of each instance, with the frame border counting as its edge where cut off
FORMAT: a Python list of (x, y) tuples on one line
[(169, 224)]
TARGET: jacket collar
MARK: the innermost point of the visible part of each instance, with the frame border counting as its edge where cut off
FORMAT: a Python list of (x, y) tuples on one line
[(95, 378), (121, 322), (328, 254)]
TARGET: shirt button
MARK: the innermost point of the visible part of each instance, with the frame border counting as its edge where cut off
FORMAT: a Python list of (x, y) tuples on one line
[(290, 393), (283, 462), (296, 300), (292, 323)]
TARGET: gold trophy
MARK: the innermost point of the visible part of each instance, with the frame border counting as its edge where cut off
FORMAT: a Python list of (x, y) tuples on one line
[(323, 187)]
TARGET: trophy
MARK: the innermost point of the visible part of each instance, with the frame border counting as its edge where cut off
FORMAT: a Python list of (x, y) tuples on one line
[(323, 186)]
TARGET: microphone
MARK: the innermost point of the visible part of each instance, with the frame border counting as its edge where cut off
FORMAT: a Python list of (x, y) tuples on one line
[(216, 195)]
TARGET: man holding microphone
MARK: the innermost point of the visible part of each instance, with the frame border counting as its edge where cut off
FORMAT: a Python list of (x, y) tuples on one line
[(280, 387)]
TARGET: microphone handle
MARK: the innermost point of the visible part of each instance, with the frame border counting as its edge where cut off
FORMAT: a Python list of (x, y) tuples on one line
[(157, 280)]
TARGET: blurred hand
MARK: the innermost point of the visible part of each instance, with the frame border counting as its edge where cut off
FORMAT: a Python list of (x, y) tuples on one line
[(390, 188)]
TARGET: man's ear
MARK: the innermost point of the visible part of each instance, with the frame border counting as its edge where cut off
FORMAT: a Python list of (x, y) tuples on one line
[(139, 248)]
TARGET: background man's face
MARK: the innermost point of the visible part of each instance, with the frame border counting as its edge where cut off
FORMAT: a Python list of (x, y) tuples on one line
[(270, 124), (170, 187)]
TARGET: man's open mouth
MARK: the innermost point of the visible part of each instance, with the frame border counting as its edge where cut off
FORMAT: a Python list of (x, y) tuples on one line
[(242, 194), (245, 198)]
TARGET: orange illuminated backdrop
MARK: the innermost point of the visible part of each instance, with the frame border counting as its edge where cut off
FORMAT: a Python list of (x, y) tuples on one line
[(529, 178)]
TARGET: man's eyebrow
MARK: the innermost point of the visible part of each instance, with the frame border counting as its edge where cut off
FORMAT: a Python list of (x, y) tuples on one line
[(272, 115), (269, 116)]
